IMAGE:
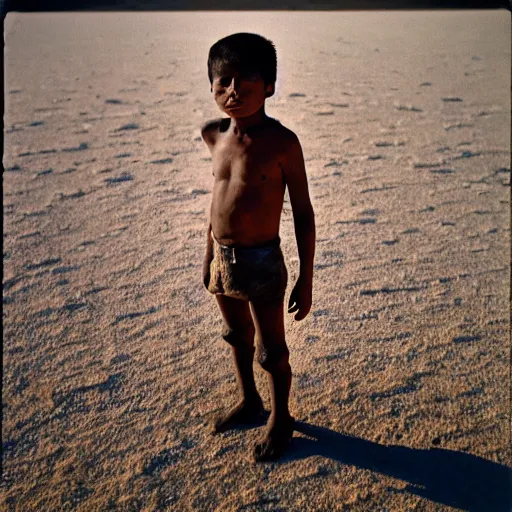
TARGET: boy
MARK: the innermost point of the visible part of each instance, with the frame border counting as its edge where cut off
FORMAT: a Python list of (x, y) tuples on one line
[(254, 158)]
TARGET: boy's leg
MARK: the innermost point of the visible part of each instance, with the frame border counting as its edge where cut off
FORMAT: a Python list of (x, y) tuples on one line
[(273, 358), (239, 333)]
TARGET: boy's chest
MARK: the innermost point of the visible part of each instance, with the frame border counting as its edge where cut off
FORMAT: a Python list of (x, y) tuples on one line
[(252, 162)]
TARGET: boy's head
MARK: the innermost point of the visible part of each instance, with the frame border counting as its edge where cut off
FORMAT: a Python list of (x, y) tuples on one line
[(238, 66), (246, 52)]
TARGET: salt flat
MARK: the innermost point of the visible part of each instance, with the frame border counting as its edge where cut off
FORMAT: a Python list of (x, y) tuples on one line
[(113, 362)]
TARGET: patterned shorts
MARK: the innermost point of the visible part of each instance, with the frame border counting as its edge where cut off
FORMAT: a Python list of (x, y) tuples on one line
[(249, 273)]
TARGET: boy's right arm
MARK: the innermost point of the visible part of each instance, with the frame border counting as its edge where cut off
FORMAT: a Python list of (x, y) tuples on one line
[(209, 133), (208, 257)]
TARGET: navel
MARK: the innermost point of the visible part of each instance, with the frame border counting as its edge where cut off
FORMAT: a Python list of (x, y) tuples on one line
[(263, 177)]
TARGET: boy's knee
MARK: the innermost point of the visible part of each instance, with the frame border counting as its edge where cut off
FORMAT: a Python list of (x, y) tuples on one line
[(240, 335), (274, 357)]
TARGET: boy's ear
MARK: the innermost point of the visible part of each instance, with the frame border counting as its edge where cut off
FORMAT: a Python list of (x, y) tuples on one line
[(269, 90)]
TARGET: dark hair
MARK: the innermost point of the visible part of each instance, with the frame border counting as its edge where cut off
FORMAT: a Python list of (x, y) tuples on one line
[(249, 52)]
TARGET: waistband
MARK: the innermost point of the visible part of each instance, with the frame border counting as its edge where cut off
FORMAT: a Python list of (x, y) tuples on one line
[(276, 242)]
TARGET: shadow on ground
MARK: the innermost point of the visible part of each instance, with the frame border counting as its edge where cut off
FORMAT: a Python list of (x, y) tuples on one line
[(448, 477)]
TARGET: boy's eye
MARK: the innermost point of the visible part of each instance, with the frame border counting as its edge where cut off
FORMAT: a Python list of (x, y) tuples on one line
[(253, 77), (225, 81)]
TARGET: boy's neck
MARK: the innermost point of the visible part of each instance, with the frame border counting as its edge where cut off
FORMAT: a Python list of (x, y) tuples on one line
[(242, 125)]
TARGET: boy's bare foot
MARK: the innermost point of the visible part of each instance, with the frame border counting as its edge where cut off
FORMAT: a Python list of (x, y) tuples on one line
[(276, 441), (245, 413)]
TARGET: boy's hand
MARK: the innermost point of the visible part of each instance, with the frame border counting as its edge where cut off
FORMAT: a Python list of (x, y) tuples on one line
[(206, 272), (301, 299), (206, 267)]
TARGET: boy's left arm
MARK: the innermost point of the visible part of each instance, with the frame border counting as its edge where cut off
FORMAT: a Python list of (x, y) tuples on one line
[(304, 221)]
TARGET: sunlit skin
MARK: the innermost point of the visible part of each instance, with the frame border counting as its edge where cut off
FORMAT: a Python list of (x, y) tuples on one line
[(249, 181), (254, 159)]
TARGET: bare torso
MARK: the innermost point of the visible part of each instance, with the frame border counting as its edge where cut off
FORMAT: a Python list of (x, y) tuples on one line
[(249, 183)]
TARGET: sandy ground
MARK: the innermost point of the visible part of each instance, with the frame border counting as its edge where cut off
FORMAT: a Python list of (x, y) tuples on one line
[(113, 362)]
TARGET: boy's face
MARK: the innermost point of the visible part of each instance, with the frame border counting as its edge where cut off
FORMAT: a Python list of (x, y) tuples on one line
[(239, 93)]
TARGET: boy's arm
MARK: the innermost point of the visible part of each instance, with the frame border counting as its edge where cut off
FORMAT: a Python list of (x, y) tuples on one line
[(304, 221), (208, 256), (209, 133)]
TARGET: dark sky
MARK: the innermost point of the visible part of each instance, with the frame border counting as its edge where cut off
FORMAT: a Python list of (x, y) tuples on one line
[(71, 5)]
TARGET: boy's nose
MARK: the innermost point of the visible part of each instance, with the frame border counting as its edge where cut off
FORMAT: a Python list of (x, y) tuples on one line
[(234, 86)]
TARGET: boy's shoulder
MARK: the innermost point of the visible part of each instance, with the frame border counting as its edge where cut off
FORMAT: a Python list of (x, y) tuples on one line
[(211, 129), (283, 136), (285, 132), (276, 131)]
